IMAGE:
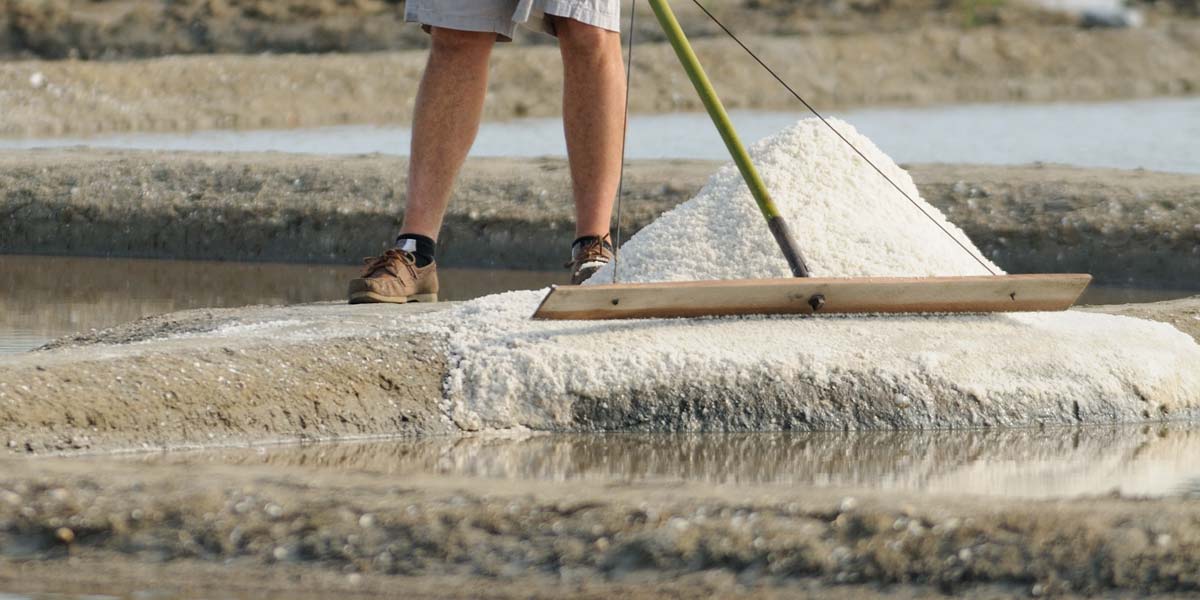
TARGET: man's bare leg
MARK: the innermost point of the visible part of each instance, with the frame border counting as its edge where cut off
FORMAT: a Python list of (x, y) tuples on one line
[(445, 121), (593, 117)]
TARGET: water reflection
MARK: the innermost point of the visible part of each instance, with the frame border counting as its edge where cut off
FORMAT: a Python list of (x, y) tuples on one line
[(1135, 460)]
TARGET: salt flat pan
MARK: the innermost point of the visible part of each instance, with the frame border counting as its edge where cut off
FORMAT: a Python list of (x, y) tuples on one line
[(811, 373)]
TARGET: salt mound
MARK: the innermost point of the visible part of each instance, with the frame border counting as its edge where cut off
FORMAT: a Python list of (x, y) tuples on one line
[(849, 221), (807, 373), (774, 373)]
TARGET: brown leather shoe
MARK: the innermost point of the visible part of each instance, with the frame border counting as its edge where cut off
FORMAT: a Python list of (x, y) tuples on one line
[(586, 259), (396, 278)]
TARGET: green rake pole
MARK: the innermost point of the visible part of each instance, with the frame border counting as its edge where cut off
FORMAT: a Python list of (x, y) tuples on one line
[(720, 118)]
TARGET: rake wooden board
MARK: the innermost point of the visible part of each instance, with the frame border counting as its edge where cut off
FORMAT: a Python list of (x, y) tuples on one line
[(1003, 293)]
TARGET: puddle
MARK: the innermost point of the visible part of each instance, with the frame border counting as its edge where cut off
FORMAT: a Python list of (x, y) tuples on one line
[(1155, 134), (1035, 463), (46, 297)]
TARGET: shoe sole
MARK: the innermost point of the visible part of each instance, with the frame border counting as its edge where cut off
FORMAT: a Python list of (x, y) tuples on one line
[(373, 298)]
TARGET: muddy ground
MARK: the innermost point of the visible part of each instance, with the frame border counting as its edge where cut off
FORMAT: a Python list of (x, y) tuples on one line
[(1124, 227), (940, 65)]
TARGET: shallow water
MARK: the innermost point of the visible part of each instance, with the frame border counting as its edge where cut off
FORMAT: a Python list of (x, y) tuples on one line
[(46, 297), (1054, 462), (1158, 134)]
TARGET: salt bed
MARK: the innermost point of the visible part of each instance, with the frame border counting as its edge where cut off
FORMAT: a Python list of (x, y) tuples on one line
[(807, 372)]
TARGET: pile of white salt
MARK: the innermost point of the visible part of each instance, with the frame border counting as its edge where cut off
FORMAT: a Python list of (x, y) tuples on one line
[(803, 372), (848, 220)]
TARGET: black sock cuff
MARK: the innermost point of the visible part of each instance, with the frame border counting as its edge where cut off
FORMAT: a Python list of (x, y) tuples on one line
[(426, 247), (587, 239)]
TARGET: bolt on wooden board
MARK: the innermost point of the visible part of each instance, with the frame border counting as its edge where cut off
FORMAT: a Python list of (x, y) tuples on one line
[(796, 296)]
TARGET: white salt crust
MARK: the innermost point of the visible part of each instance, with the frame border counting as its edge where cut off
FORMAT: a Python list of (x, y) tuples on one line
[(848, 221), (510, 372)]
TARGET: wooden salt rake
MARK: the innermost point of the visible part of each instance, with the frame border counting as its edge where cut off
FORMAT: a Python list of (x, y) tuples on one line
[(801, 294)]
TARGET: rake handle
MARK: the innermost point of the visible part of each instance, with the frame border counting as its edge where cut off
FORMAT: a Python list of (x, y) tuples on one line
[(720, 118)]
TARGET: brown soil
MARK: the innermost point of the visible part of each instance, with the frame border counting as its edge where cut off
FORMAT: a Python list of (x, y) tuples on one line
[(941, 65), (1122, 226)]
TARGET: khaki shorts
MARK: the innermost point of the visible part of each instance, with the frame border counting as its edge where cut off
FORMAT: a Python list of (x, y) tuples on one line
[(503, 16)]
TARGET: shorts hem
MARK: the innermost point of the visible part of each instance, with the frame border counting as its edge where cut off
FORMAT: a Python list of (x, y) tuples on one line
[(583, 14), (503, 28)]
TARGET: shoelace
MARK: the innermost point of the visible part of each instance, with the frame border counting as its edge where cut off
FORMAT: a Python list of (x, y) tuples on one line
[(387, 262), (594, 250)]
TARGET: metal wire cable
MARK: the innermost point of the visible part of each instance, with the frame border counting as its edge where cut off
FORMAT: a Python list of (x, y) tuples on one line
[(624, 139), (838, 133)]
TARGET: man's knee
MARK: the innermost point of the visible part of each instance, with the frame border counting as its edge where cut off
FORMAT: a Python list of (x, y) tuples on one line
[(456, 41), (575, 36)]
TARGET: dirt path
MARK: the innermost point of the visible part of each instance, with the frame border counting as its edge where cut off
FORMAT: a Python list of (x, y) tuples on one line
[(941, 65), (1124, 227)]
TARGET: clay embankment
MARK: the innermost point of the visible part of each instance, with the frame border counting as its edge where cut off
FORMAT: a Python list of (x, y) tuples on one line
[(1124, 227)]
